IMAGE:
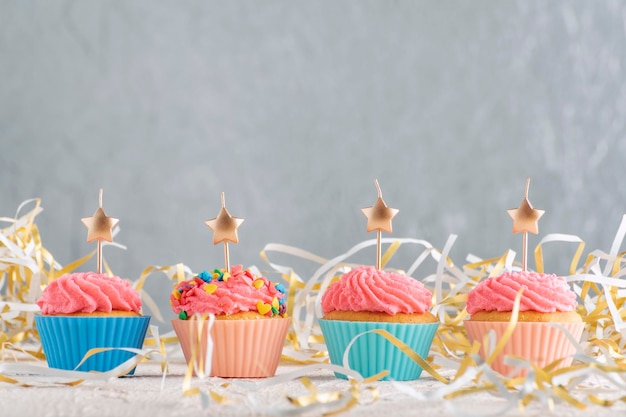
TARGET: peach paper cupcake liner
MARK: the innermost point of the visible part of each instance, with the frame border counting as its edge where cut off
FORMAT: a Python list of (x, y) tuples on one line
[(66, 340), (241, 348), (372, 353), (539, 343)]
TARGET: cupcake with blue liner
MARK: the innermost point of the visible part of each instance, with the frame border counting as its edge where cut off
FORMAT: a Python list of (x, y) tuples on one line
[(83, 311), (366, 299)]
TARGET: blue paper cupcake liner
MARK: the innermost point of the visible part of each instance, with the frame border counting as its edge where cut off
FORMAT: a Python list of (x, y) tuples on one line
[(372, 353), (66, 340)]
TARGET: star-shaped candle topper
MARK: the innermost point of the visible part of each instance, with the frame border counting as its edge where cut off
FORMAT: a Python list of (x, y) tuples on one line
[(379, 218), (99, 227), (379, 215), (224, 228), (525, 220)]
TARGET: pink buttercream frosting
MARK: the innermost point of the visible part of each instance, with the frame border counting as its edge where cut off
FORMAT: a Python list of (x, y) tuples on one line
[(545, 293), (367, 289), (87, 292), (227, 293)]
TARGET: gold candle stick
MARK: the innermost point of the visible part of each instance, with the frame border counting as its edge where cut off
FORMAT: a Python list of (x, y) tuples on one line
[(99, 227), (525, 219), (379, 218), (224, 228)]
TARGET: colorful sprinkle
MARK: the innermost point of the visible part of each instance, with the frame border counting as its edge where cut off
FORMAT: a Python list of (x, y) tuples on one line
[(280, 287), (263, 308), (210, 288), (176, 294), (275, 304), (205, 276), (183, 315), (220, 275), (258, 283)]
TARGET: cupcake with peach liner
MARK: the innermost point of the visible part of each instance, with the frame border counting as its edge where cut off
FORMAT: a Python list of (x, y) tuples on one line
[(250, 322), (367, 298), (250, 326), (87, 310), (545, 298)]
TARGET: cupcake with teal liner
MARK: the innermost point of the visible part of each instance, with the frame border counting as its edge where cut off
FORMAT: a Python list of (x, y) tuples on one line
[(250, 324), (83, 311), (366, 299)]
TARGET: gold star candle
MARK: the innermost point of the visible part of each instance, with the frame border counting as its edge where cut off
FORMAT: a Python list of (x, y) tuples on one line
[(525, 219), (224, 228), (379, 218), (99, 228)]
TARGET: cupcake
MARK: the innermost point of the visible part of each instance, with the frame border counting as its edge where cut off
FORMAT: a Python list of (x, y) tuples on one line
[(365, 299), (546, 298), (250, 327), (82, 311)]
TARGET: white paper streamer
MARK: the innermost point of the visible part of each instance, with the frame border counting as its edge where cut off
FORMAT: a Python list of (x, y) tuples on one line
[(34, 375)]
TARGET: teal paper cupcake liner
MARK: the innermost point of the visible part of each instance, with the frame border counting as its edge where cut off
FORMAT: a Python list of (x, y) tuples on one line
[(372, 353), (66, 340)]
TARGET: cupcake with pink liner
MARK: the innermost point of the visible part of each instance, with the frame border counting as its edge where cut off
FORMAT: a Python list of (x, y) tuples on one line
[(250, 321), (250, 324), (546, 298), (82, 311), (366, 299)]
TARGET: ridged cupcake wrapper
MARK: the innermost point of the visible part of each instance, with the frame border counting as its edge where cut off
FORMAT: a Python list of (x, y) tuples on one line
[(372, 353), (539, 343), (241, 348), (66, 340)]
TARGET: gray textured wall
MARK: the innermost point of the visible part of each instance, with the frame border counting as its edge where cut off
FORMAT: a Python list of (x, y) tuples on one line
[(293, 109)]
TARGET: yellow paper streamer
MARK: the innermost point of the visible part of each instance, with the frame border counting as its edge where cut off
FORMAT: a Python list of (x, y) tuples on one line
[(23, 263)]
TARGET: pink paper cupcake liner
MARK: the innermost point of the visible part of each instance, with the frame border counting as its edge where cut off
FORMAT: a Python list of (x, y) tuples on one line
[(241, 348), (537, 342)]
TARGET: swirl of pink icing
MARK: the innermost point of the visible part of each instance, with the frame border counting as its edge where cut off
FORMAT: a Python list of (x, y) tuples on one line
[(235, 294), (367, 289), (545, 293), (86, 292)]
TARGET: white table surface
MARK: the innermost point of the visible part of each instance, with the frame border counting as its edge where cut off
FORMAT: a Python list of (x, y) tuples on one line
[(143, 395)]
